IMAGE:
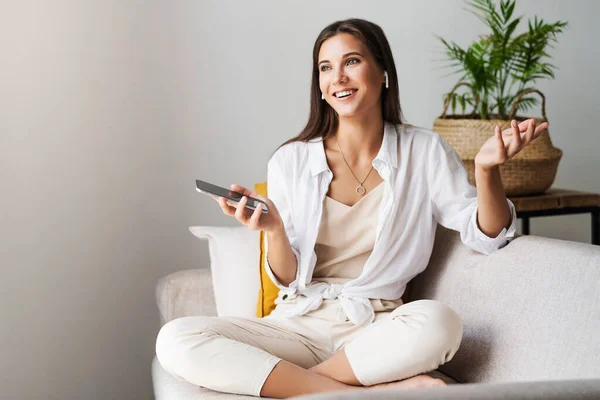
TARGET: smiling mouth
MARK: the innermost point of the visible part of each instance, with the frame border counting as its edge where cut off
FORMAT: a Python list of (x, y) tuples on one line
[(345, 94)]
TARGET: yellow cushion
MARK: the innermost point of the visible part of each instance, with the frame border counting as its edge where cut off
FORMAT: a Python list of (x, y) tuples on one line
[(268, 291)]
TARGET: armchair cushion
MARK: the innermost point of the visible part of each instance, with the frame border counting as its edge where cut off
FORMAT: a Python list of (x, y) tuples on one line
[(268, 291), (234, 265)]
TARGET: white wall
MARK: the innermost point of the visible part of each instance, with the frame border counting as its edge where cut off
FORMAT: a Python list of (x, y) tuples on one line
[(110, 110)]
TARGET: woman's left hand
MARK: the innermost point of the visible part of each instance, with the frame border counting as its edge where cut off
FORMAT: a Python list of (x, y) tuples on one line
[(504, 145)]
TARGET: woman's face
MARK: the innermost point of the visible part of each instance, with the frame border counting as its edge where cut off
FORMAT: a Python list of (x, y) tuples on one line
[(347, 67)]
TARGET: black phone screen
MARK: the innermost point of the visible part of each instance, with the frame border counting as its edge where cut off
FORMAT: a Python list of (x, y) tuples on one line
[(218, 190)]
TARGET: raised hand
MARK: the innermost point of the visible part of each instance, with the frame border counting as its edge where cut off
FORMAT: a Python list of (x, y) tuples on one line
[(253, 219), (503, 146)]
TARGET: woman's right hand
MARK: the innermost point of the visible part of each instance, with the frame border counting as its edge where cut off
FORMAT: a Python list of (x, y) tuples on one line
[(253, 219)]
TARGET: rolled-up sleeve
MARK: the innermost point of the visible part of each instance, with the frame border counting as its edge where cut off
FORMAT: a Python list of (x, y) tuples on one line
[(454, 199), (277, 180)]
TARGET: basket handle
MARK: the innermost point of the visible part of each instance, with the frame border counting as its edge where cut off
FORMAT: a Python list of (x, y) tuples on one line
[(447, 101), (523, 93)]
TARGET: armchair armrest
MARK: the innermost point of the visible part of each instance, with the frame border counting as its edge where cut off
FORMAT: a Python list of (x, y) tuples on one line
[(185, 293)]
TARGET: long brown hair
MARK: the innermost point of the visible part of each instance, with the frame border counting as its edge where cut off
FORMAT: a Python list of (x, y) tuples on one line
[(323, 120)]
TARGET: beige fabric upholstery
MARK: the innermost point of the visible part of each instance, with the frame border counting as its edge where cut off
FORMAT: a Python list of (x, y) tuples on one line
[(184, 293), (530, 310), (541, 390), (167, 387)]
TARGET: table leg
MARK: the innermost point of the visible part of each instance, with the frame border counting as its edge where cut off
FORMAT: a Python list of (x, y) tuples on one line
[(596, 226), (525, 225)]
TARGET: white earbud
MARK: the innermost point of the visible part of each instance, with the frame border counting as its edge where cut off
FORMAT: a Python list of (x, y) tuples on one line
[(322, 96), (387, 83)]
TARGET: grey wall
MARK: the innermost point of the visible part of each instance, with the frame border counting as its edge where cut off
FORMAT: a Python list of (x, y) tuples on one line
[(110, 110)]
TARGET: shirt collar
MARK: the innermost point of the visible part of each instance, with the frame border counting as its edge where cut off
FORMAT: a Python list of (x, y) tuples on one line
[(388, 153)]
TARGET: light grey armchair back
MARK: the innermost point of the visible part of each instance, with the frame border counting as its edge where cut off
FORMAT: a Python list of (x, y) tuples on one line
[(531, 310)]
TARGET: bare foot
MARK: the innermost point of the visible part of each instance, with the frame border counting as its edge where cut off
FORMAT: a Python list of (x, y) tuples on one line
[(419, 381)]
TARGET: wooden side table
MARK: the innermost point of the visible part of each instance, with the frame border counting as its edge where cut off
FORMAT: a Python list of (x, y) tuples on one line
[(559, 202)]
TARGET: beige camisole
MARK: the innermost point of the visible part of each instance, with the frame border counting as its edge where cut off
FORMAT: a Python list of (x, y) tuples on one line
[(346, 239)]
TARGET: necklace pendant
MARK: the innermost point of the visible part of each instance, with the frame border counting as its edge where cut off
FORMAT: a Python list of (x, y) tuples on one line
[(360, 189)]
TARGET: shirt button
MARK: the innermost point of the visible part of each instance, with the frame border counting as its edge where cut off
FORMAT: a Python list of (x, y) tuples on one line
[(285, 296)]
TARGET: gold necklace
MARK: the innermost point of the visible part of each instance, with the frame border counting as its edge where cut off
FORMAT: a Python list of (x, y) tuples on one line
[(360, 189)]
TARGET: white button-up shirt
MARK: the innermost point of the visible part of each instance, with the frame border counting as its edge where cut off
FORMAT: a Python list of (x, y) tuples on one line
[(425, 184)]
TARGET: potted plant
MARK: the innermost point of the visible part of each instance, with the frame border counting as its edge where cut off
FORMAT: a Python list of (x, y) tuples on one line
[(500, 68)]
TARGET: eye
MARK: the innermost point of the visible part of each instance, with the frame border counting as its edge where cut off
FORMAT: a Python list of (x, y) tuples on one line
[(349, 62)]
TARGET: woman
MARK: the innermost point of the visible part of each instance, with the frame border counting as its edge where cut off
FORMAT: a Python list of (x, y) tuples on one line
[(354, 201)]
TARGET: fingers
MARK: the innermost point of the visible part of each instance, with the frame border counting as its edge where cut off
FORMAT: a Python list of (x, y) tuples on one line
[(500, 144), (541, 127), (253, 221), (248, 218), (240, 212), (515, 143), (243, 190), (530, 129), (528, 137), (227, 209), (250, 193), (523, 125), (518, 135), (498, 134)]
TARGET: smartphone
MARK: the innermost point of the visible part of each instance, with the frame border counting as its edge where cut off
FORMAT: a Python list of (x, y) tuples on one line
[(230, 195)]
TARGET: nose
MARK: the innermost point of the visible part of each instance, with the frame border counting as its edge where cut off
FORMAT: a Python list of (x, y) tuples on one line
[(339, 76)]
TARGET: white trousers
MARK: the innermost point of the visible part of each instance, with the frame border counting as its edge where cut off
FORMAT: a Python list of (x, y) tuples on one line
[(236, 355)]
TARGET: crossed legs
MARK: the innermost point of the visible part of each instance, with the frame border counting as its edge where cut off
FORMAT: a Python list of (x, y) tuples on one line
[(257, 357)]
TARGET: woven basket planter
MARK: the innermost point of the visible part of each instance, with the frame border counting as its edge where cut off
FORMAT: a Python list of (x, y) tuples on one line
[(531, 171)]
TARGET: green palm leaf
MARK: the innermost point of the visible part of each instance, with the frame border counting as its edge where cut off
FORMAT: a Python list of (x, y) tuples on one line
[(501, 64)]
